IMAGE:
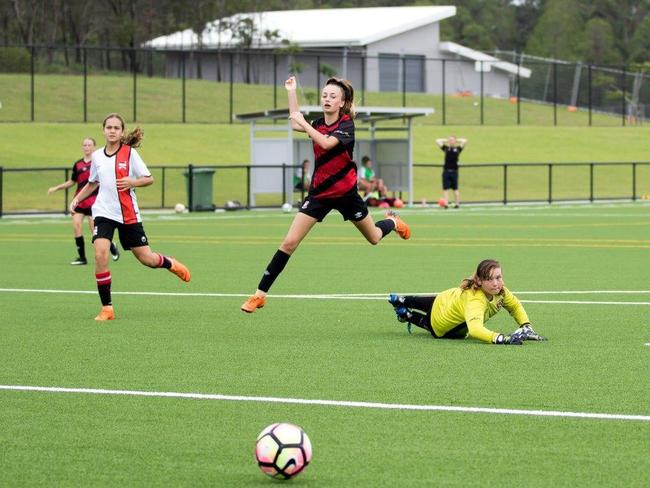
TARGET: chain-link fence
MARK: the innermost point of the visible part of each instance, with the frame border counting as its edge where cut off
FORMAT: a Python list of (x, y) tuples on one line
[(73, 84)]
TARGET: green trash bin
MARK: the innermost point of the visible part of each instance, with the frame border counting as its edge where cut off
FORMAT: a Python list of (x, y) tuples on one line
[(201, 198)]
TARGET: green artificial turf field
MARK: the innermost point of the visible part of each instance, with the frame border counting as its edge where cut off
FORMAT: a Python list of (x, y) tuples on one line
[(327, 333)]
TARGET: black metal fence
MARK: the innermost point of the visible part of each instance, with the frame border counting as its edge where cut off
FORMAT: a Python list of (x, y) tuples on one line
[(81, 84), (210, 187)]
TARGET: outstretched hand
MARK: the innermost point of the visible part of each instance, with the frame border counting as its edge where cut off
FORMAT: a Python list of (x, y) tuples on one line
[(291, 83)]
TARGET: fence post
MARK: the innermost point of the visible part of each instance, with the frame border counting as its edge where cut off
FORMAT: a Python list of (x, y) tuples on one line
[(1, 175), (134, 64), (481, 92), (32, 70), (634, 182), (363, 79), (284, 183), (183, 96), (85, 55), (589, 91), (275, 80), (591, 182), (162, 197), (231, 88), (554, 93), (190, 187), (317, 73), (248, 187), (444, 90), (505, 184), (65, 178), (623, 76), (403, 81), (550, 183), (518, 91)]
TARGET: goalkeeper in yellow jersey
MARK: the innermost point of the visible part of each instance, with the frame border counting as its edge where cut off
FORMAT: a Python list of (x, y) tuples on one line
[(462, 312)]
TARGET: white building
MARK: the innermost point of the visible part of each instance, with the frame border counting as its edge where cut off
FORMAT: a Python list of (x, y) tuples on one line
[(377, 49)]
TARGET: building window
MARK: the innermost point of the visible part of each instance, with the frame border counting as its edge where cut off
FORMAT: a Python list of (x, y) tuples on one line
[(391, 75)]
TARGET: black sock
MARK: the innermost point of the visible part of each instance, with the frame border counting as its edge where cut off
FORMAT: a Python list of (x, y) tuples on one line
[(275, 267), (166, 262), (81, 248), (386, 226), (419, 302), (104, 287)]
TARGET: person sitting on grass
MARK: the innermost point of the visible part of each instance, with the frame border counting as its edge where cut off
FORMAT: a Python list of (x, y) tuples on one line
[(369, 183), (461, 312)]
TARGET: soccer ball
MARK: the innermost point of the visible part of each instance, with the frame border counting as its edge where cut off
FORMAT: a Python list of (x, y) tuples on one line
[(286, 207), (282, 450), (443, 203), (179, 208)]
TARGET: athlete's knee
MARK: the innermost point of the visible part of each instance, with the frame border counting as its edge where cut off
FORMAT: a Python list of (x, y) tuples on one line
[(289, 245)]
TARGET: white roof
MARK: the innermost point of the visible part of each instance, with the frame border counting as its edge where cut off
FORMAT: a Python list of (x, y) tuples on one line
[(488, 61), (313, 28)]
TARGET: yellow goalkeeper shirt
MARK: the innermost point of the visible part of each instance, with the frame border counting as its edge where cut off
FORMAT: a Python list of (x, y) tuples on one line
[(454, 306)]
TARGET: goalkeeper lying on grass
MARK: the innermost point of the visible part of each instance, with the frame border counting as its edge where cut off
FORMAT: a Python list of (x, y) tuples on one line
[(461, 312)]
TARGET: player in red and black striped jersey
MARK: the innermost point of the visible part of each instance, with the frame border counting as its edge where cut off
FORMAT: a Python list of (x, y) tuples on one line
[(334, 181), (79, 175)]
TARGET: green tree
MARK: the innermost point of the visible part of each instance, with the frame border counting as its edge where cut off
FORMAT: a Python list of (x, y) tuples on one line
[(600, 46), (640, 43), (559, 33)]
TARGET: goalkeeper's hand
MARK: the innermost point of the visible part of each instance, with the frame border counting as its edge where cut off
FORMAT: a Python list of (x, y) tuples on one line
[(529, 334), (515, 339)]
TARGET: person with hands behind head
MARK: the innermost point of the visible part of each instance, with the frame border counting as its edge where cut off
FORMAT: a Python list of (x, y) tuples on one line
[(334, 181), (462, 311), (452, 148), (117, 169)]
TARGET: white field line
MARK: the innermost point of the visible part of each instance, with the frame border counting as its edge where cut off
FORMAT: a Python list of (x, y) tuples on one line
[(374, 296), (330, 403)]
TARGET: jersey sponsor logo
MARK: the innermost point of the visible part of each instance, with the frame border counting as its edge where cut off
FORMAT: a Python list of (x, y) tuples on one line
[(121, 165)]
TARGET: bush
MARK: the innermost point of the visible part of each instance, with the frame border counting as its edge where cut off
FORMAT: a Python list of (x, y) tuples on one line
[(14, 60)]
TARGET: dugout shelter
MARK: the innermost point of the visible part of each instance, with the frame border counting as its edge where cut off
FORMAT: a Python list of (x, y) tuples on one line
[(276, 150)]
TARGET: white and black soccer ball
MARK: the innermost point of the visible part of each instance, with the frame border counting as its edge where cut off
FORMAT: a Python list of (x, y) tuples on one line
[(286, 207), (179, 208), (282, 450)]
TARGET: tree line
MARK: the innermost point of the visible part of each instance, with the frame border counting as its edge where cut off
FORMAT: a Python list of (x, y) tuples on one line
[(602, 32)]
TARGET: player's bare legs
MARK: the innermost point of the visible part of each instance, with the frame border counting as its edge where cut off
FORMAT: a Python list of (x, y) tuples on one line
[(370, 231), (146, 256)]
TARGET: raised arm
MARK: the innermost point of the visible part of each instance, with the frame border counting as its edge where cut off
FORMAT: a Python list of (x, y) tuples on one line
[(462, 142), (291, 85), (441, 142)]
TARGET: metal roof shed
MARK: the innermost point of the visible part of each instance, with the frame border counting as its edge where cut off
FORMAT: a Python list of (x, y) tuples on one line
[(392, 157)]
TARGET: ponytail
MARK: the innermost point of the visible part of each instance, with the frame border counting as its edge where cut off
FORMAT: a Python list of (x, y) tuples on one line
[(133, 138), (482, 272)]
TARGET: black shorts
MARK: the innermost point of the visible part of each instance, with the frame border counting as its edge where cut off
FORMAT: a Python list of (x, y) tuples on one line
[(450, 179), (350, 205), (131, 235), (87, 211)]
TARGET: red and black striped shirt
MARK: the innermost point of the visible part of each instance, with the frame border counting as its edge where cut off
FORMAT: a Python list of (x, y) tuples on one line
[(80, 174), (335, 172)]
